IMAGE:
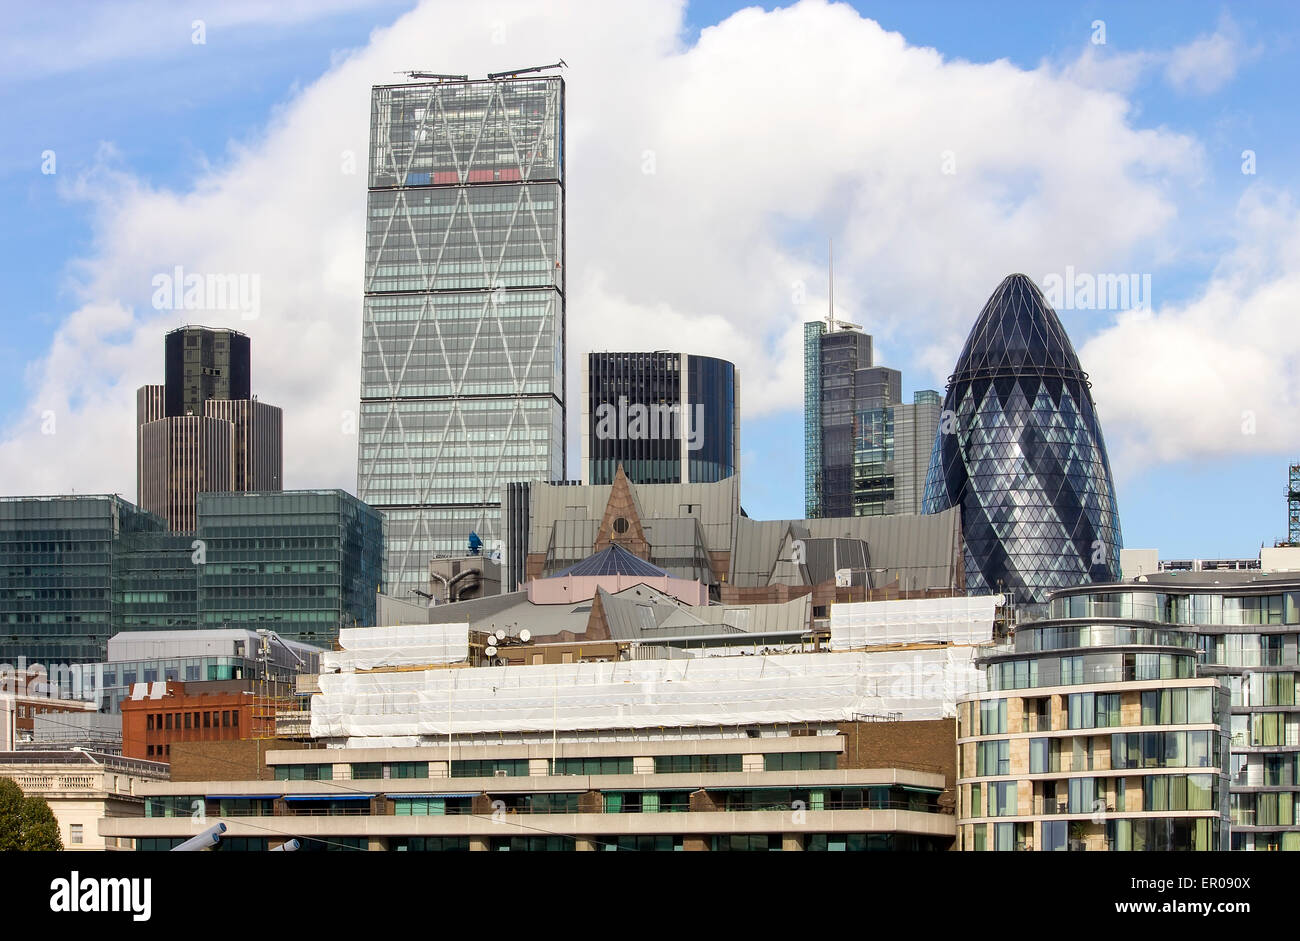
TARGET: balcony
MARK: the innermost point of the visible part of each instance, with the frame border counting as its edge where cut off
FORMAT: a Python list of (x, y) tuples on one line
[(1032, 722)]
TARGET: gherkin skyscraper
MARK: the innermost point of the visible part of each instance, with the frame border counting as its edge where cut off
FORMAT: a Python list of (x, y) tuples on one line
[(1020, 450)]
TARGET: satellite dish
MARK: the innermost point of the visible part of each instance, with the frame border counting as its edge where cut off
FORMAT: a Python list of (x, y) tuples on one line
[(500, 634), (525, 635), (491, 651)]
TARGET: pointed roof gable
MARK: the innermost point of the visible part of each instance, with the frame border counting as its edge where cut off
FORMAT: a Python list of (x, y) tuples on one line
[(621, 524)]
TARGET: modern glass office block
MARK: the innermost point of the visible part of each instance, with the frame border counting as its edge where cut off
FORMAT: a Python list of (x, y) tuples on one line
[(303, 563), (156, 582), (666, 417), (862, 450), (61, 559), (812, 418), (463, 327), (1025, 459)]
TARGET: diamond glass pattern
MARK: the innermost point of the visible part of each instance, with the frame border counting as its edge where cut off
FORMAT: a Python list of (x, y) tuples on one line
[(1020, 451)]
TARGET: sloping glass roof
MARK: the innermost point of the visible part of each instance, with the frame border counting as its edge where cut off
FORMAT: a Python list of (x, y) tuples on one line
[(614, 560)]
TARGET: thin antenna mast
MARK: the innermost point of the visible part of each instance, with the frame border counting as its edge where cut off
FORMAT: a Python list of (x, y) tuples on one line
[(830, 312)]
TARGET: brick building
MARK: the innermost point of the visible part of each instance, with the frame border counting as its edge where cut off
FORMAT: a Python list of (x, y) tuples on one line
[(160, 714)]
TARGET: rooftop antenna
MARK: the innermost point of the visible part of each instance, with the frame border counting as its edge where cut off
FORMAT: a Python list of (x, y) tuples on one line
[(831, 322), (830, 307)]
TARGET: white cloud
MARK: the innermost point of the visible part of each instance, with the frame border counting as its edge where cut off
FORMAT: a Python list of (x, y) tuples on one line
[(1200, 67), (775, 129), (1216, 376), (1207, 63)]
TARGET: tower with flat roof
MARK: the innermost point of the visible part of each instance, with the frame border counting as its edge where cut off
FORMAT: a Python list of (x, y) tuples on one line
[(463, 327)]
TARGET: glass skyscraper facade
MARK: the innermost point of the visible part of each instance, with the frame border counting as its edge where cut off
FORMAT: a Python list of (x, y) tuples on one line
[(463, 327), (865, 450), (1024, 456), (303, 563), (667, 417), (75, 570), (63, 564), (156, 583)]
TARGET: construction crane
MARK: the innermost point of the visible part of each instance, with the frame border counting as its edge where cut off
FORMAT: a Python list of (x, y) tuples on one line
[(436, 75), (511, 73)]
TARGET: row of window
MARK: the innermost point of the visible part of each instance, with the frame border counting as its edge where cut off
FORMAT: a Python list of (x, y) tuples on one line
[(1281, 608), (1088, 669), (1264, 809), (1143, 834), (214, 719)]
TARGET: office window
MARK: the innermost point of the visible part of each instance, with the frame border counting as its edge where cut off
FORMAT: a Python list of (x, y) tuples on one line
[(696, 764), (407, 769), (488, 768), (234, 718), (792, 761), (148, 722), (74, 833), (225, 718), (207, 720), (187, 720), (606, 766)]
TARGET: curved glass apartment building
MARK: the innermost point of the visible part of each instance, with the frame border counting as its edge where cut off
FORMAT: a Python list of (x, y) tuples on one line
[(1020, 450), (1245, 627), (1095, 734)]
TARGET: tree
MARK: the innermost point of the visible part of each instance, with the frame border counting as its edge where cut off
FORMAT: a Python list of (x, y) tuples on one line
[(11, 816), (26, 823), (40, 829)]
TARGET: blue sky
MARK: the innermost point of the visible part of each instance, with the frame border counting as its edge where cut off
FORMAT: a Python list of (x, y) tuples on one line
[(152, 135)]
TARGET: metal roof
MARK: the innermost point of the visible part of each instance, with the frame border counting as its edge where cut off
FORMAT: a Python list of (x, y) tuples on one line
[(613, 560), (924, 551)]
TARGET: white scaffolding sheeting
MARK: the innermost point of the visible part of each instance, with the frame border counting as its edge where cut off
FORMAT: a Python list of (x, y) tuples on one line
[(426, 706), (913, 621), (368, 648)]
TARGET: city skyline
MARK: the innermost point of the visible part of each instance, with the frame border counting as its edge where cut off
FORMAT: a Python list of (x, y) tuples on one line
[(1150, 94)]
